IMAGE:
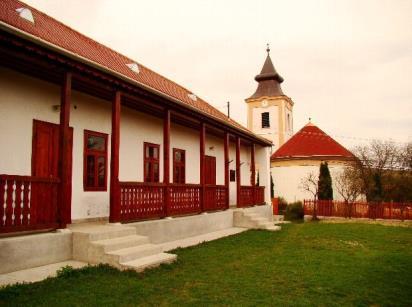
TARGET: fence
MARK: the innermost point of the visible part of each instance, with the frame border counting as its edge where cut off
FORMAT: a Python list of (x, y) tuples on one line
[(251, 195), (27, 203), (140, 200), (383, 210)]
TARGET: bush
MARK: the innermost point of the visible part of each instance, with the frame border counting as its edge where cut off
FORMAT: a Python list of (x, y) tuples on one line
[(294, 212), (282, 205), (66, 271)]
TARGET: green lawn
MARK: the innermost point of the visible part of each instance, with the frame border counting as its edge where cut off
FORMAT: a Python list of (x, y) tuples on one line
[(304, 264)]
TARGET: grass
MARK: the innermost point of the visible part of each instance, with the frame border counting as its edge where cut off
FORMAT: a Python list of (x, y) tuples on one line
[(304, 264)]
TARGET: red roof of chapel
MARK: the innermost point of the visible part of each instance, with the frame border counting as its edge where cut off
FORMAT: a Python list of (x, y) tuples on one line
[(310, 141), (53, 32)]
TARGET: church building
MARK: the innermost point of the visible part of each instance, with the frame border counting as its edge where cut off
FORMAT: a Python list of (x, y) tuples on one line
[(270, 115)]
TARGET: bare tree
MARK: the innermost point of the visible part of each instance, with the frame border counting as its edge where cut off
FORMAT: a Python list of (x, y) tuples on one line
[(398, 182), (349, 184), (309, 183), (373, 162)]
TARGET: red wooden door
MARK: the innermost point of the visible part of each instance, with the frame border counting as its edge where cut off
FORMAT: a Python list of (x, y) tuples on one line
[(210, 170), (45, 149), (45, 164)]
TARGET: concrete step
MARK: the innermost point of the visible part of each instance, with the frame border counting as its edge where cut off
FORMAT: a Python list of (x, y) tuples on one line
[(273, 228), (260, 219), (111, 232), (251, 215), (149, 261), (266, 224), (113, 244), (133, 253)]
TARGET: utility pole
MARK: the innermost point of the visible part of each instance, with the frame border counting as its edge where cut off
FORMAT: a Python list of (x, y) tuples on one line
[(228, 109)]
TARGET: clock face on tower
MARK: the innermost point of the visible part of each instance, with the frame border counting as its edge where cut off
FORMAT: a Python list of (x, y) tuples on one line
[(264, 103)]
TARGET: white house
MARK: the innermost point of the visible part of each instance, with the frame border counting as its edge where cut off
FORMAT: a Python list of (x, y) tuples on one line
[(88, 134), (301, 155)]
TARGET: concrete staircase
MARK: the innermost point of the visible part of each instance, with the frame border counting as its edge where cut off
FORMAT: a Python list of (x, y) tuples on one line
[(243, 218), (117, 245)]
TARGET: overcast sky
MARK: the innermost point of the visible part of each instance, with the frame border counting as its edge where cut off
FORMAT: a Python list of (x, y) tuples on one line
[(347, 64)]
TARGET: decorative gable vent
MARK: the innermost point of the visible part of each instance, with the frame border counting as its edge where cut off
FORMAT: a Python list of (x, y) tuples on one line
[(25, 13), (192, 96), (133, 67)]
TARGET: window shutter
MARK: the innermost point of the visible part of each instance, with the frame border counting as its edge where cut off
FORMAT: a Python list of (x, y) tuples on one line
[(265, 120)]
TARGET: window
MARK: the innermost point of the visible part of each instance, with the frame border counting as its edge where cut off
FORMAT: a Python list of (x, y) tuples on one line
[(265, 120), (179, 166), (151, 162), (95, 161), (232, 176)]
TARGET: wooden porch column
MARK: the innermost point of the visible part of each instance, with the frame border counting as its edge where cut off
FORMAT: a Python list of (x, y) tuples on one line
[(253, 171), (65, 195), (202, 164), (114, 161), (238, 170), (226, 152), (166, 159)]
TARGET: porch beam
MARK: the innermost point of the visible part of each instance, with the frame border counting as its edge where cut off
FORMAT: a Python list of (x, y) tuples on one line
[(238, 170), (64, 207), (114, 160), (226, 153), (202, 164), (166, 159)]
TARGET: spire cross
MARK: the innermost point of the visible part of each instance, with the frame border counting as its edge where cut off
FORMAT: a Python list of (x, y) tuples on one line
[(267, 48)]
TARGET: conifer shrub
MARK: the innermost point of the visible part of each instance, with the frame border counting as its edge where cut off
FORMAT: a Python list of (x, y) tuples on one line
[(294, 212), (325, 191)]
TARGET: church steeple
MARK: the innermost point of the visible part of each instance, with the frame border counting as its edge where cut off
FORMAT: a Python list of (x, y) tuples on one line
[(270, 111), (269, 80)]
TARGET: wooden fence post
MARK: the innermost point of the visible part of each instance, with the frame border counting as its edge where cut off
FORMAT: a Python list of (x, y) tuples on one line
[(202, 165), (166, 161), (65, 191)]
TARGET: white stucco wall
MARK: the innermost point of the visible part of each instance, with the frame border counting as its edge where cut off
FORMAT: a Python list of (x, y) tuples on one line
[(137, 128), (287, 180), (187, 139), (262, 158), (91, 114), (215, 148), (288, 124), (18, 107), (245, 172), (271, 133), (232, 166), (23, 99)]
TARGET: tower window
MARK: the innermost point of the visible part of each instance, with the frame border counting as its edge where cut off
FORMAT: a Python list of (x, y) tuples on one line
[(265, 120)]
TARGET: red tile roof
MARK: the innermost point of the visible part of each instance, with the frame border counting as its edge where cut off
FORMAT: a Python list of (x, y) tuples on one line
[(56, 33), (312, 142)]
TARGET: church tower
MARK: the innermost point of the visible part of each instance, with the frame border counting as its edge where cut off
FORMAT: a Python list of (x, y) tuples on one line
[(270, 112)]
